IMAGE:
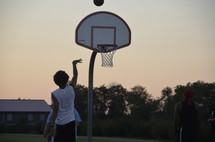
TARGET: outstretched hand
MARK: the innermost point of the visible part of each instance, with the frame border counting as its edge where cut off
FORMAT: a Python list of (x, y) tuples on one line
[(76, 61)]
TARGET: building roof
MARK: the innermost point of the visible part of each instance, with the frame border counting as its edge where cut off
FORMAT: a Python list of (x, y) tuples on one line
[(24, 106)]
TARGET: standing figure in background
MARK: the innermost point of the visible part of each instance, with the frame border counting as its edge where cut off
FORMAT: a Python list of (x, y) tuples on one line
[(186, 118)]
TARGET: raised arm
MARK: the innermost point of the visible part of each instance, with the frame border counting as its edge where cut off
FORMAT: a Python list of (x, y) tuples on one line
[(73, 82)]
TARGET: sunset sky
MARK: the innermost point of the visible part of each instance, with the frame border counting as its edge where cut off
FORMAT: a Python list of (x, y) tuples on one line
[(173, 43)]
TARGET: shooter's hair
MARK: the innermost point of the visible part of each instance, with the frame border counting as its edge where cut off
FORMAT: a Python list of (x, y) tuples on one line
[(61, 78)]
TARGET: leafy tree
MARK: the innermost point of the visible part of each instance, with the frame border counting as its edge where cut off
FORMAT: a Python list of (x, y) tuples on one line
[(116, 102), (101, 101), (166, 97), (81, 100), (140, 103), (204, 94), (167, 102), (114, 106)]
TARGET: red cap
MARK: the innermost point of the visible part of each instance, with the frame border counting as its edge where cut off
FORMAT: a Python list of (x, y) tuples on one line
[(188, 93)]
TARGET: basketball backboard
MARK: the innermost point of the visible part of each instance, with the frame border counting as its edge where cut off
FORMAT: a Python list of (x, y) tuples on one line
[(103, 28)]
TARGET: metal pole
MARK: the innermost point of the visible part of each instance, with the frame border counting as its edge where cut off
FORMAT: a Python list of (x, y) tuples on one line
[(90, 98)]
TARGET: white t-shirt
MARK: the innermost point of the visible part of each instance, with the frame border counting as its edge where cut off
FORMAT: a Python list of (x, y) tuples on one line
[(65, 99)]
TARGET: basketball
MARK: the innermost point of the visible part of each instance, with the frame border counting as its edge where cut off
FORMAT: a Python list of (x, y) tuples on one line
[(98, 2)]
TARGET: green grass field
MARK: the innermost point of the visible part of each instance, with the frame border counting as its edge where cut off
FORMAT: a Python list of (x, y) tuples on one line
[(39, 138)]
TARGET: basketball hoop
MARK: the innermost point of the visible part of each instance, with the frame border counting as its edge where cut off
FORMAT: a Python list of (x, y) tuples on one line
[(103, 32), (107, 51)]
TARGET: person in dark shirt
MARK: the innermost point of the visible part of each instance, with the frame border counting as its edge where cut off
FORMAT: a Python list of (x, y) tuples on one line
[(186, 118)]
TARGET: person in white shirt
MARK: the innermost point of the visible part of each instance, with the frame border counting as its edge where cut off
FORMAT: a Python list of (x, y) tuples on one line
[(63, 106), (47, 133)]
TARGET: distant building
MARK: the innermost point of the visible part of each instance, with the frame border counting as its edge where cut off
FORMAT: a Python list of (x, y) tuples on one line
[(30, 112)]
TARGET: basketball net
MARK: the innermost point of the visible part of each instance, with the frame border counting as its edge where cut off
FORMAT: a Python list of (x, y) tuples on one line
[(107, 56), (107, 59)]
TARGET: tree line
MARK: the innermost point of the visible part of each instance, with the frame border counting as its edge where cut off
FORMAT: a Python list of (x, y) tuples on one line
[(136, 113)]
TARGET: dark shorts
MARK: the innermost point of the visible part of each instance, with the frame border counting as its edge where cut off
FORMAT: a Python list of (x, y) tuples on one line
[(65, 133), (188, 135)]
